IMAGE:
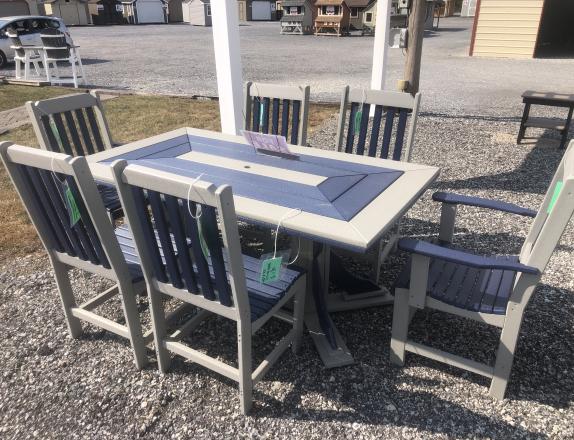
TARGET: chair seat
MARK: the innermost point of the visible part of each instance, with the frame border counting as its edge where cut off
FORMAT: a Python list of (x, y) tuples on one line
[(262, 297), (111, 199), (468, 288)]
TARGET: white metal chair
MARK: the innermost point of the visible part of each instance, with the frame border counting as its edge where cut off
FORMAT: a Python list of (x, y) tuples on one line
[(57, 50), (201, 263)]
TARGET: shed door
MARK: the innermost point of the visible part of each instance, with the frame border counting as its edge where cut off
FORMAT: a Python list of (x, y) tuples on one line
[(260, 10), (14, 8), (69, 12), (150, 11)]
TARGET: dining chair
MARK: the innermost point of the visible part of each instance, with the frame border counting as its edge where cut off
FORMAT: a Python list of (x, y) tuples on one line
[(75, 125), (57, 50), (491, 289), (388, 134), (25, 57), (203, 265), (287, 106), (63, 203)]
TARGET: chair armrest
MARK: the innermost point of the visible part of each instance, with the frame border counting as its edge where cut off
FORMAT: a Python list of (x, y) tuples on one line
[(459, 199), (443, 253)]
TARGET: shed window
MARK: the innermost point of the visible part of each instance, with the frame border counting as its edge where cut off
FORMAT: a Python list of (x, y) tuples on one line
[(369, 17), (295, 10), (330, 10), (208, 9), (355, 12)]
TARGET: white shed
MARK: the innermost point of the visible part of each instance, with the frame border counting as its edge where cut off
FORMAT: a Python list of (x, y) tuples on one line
[(18, 7), (145, 11), (73, 12), (197, 12)]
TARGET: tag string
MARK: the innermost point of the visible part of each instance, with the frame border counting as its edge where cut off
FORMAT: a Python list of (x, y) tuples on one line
[(197, 208), (289, 214)]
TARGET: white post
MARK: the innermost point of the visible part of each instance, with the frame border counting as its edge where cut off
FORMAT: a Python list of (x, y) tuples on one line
[(381, 46), (225, 23)]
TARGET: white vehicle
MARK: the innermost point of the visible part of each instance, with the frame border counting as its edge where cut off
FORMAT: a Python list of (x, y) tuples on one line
[(28, 28)]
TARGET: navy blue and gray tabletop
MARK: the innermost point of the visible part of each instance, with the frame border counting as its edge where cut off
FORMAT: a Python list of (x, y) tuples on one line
[(341, 200)]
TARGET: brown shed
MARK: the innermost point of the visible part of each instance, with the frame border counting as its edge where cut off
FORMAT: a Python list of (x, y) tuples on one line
[(333, 17)]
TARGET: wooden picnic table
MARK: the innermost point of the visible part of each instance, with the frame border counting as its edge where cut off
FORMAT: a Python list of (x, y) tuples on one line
[(345, 200), (550, 99)]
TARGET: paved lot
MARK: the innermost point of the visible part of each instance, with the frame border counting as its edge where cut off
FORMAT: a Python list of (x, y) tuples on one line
[(178, 59)]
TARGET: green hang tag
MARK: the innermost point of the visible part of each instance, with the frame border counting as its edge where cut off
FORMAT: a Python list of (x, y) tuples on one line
[(358, 118), (261, 110), (202, 242), (270, 270), (56, 134), (555, 195), (72, 206)]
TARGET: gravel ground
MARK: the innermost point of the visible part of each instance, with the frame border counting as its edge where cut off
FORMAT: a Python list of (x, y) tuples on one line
[(55, 387)]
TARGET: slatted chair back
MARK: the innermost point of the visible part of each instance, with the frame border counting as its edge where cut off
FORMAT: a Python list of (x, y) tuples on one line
[(74, 125), (52, 186), (55, 44), (196, 226), (386, 135), (553, 216), (15, 43), (276, 109)]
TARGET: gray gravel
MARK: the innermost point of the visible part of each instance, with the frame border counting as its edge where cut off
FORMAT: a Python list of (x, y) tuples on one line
[(55, 387)]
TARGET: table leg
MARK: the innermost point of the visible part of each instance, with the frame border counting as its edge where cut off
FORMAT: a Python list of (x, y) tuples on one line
[(566, 129), (328, 341), (522, 129)]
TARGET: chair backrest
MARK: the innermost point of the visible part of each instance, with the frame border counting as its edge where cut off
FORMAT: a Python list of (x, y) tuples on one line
[(15, 42), (52, 186), (276, 109), (196, 226), (391, 110), (553, 216), (55, 45), (75, 124)]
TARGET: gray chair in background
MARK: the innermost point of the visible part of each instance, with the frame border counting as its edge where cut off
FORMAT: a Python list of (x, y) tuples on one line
[(200, 263), (75, 125), (492, 290), (277, 109), (63, 203), (57, 50)]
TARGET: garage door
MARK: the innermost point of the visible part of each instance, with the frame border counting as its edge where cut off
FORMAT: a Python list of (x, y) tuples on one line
[(150, 12), (14, 8), (260, 10)]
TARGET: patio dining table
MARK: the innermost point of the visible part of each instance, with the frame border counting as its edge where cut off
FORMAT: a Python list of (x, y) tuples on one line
[(324, 198)]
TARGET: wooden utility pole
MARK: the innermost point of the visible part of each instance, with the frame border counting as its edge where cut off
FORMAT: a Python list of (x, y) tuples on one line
[(416, 32)]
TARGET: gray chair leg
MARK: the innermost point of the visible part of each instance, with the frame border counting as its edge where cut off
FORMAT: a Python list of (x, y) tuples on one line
[(133, 323), (61, 273), (245, 380), (505, 354), (298, 318), (400, 329), (159, 331)]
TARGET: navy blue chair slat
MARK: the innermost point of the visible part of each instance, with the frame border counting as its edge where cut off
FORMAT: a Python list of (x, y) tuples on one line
[(457, 280), (211, 234), (84, 130), (363, 129), (77, 144), (285, 118), (295, 122), (387, 132), (256, 114), (275, 116), (58, 235), (400, 135), (162, 229), (351, 130), (62, 134), (86, 230), (200, 261), (53, 143), (473, 297), (150, 240), (265, 126), (490, 292), (99, 144), (375, 131), (181, 244)]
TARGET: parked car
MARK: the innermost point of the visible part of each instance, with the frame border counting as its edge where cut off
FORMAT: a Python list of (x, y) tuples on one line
[(29, 28)]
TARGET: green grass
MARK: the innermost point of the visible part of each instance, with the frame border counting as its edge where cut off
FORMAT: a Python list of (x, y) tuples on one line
[(12, 96), (130, 118)]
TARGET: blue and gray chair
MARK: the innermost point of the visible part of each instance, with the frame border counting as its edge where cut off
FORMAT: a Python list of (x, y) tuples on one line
[(491, 289), (186, 237), (287, 106)]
